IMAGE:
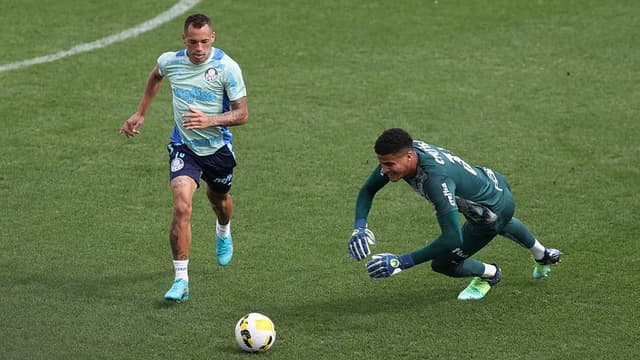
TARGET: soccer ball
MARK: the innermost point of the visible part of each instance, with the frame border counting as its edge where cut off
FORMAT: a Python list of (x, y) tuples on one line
[(255, 333)]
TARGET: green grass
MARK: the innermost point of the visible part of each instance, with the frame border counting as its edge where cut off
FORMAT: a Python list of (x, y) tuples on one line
[(543, 91)]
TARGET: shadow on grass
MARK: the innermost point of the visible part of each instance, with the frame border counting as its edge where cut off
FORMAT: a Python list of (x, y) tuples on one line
[(376, 300), (162, 304), (93, 286)]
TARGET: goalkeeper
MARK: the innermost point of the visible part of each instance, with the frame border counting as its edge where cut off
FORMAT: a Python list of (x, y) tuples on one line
[(482, 195)]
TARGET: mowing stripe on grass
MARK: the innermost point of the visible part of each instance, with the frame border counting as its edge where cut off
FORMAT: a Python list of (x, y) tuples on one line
[(175, 11)]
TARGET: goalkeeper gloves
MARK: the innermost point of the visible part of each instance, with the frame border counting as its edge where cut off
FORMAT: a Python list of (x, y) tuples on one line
[(385, 265), (360, 240)]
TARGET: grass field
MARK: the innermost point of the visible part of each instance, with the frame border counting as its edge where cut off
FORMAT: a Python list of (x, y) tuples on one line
[(544, 91)]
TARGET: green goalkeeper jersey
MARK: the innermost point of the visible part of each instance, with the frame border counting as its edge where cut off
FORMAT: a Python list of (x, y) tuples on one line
[(451, 186)]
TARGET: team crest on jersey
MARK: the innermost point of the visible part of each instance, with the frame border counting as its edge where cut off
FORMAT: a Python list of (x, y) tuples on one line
[(176, 164), (211, 74)]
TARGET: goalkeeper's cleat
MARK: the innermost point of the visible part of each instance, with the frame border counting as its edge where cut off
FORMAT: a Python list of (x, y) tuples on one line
[(542, 268), (551, 256), (179, 291), (497, 277), (224, 249), (479, 287), (476, 290), (541, 271)]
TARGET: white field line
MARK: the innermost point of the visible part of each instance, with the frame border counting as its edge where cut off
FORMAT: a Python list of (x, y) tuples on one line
[(175, 11)]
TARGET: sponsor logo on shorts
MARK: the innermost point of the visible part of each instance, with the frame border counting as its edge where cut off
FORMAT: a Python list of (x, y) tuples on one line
[(460, 254), (225, 180)]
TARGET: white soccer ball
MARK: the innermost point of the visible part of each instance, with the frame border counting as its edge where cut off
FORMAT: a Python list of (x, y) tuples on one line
[(255, 333)]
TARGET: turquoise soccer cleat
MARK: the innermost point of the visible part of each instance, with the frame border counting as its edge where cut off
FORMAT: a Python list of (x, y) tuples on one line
[(479, 287), (224, 249), (179, 291)]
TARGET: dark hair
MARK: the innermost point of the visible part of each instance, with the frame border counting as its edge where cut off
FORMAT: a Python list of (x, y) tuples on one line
[(197, 21), (392, 141)]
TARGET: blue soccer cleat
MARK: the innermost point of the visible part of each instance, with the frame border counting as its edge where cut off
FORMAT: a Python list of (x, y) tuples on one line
[(224, 249), (179, 291), (551, 256), (479, 287), (496, 278)]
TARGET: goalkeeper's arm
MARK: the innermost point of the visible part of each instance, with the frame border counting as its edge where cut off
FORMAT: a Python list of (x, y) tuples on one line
[(449, 239), (364, 201), (385, 265)]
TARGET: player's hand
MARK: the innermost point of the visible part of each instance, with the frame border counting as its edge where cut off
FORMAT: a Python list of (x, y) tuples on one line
[(131, 127), (384, 265), (359, 243), (196, 119)]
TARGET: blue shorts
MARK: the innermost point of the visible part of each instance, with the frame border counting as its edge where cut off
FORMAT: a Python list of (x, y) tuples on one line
[(216, 169)]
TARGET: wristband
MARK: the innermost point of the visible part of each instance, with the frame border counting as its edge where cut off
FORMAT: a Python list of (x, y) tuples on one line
[(360, 223), (406, 261)]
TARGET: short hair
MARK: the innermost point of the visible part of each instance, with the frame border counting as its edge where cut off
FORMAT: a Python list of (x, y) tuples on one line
[(197, 21), (392, 141)]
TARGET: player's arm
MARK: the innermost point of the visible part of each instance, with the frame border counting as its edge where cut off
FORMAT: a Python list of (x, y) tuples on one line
[(238, 115), (134, 122), (235, 88), (154, 81), (449, 239), (384, 265), (362, 237), (364, 201), (441, 191)]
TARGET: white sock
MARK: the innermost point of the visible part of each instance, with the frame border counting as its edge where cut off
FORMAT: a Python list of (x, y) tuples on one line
[(223, 230), (182, 269), (537, 250), (489, 271)]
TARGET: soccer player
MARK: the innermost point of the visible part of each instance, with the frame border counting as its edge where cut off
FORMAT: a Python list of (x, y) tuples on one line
[(482, 195), (209, 96)]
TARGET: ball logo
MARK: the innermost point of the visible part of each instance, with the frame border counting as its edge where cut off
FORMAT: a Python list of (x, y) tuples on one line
[(245, 333), (176, 164), (211, 74)]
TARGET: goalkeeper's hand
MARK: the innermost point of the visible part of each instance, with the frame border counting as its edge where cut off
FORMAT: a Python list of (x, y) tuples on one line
[(359, 243), (385, 265)]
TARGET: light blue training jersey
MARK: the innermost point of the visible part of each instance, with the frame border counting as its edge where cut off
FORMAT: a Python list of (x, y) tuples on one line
[(209, 87)]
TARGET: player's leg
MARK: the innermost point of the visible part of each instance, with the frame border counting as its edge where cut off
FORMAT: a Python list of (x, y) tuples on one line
[(222, 205), (217, 171), (184, 175), (544, 257), (182, 188), (458, 267), (515, 230), (459, 263), (474, 238)]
